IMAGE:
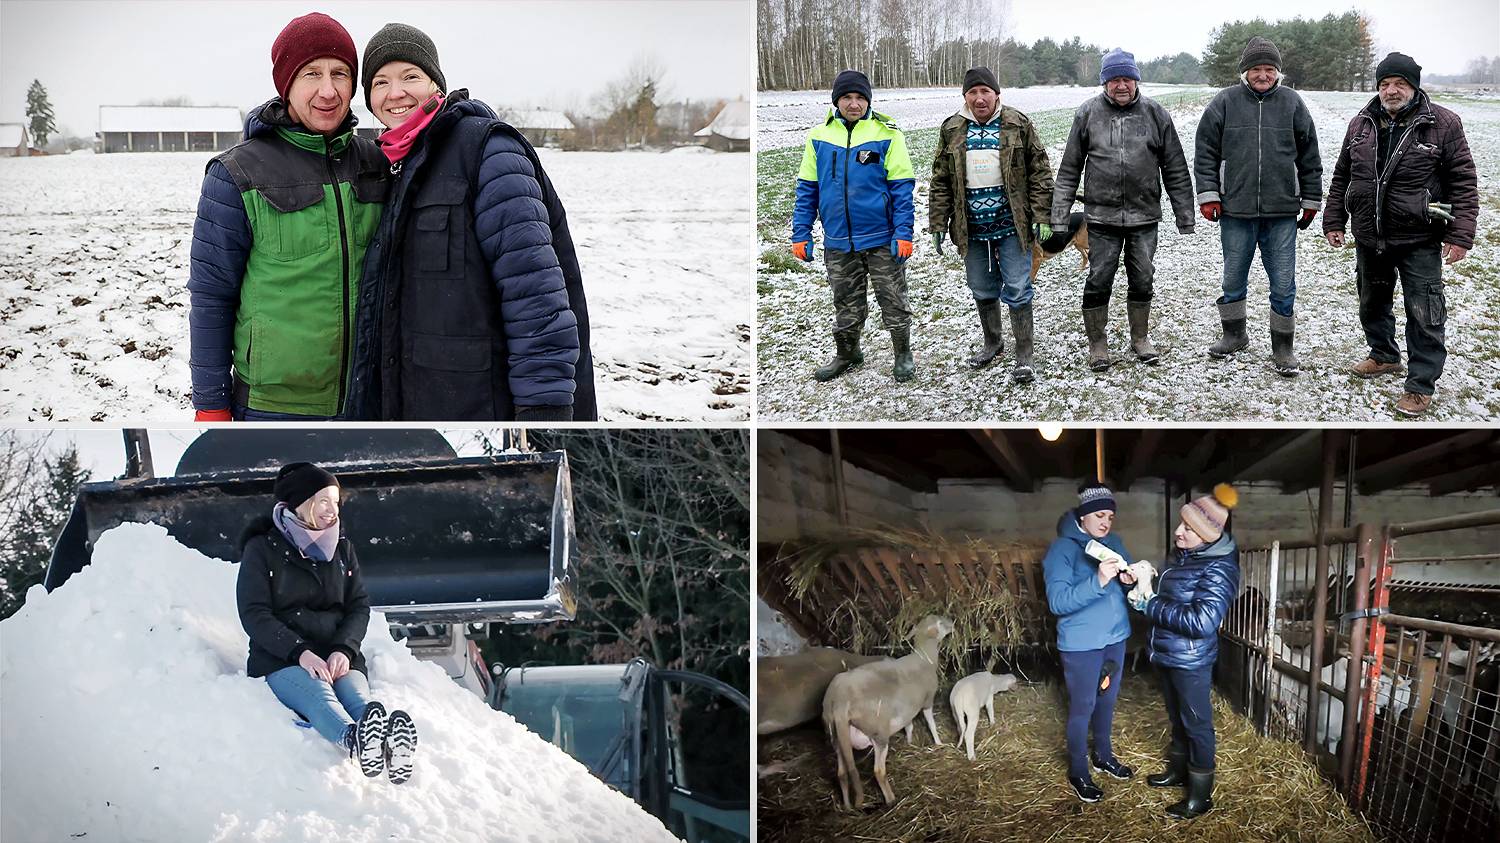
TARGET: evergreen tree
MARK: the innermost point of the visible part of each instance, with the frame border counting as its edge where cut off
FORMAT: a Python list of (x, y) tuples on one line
[(39, 112), (25, 553)]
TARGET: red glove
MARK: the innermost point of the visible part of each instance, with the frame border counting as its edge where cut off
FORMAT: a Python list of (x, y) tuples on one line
[(1211, 211), (903, 249), (800, 250), (1307, 217), (213, 416)]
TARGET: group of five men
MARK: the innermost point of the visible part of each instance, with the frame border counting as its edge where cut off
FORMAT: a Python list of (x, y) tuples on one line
[(1404, 177)]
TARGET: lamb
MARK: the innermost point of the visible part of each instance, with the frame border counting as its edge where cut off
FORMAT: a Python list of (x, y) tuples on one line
[(972, 692), (867, 705)]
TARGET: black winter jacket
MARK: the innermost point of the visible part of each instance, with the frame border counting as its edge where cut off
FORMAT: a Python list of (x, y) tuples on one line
[(1192, 596), (1129, 151), (1258, 153), (289, 604)]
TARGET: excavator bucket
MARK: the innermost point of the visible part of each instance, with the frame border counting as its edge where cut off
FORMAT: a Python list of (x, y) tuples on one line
[(440, 539)]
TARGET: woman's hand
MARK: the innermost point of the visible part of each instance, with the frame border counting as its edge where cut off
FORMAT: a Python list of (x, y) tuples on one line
[(338, 665), (315, 667), (1127, 577), (1108, 571)]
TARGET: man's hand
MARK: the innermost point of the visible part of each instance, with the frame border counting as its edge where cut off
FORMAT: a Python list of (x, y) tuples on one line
[(315, 667), (338, 665), (213, 415), (937, 242), (902, 249), (1307, 217), (802, 250), (1334, 238), (1453, 254), (1211, 210)]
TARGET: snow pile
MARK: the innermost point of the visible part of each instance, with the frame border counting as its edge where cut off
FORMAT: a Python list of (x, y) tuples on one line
[(128, 716)]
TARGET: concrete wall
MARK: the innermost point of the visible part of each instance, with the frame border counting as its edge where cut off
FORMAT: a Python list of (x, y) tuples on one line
[(795, 500)]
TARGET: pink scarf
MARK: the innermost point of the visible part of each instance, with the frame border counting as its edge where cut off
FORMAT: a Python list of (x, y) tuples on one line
[(397, 142)]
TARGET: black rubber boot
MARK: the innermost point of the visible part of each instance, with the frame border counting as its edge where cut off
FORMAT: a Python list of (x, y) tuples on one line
[(904, 367), (1139, 313), (846, 356), (994, 339), (1232, 317), (1176, 773), (1282, 330), (1020, 327), (1094, 321), (1199, 801)]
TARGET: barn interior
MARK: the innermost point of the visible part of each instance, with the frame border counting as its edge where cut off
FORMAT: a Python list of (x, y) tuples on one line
[(1377, 548)]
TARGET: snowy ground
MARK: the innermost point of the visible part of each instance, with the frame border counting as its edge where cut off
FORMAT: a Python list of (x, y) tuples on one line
[(94, 263), (128, 717), (795, 312)]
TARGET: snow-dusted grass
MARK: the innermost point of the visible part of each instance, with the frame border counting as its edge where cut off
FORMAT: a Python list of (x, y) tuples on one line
[(796, 312), (128, 716), (94, 262)]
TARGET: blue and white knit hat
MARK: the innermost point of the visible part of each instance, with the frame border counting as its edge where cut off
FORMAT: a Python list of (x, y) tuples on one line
[(1094, 497)]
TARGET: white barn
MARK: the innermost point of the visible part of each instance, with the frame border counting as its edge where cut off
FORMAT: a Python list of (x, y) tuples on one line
[(167, 128), (730, 129), (15, 142), (541, 126)]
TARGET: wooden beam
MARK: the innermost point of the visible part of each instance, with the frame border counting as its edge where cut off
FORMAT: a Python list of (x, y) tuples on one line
[(1465, 479), (1146, 443), (1197, 460), (1392, 471), (999, 450), (1268, 461)]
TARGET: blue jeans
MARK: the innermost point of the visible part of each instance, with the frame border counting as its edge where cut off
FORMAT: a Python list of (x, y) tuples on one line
[(1191, 712), (998, 269), (330, 709), (1089, 710), (1277, 239)]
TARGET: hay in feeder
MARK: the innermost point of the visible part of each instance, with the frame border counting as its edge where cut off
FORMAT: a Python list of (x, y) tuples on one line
[(1017, 789)]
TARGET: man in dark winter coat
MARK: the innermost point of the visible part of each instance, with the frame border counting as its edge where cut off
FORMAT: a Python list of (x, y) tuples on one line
[(1123, 146), (1259, 176), (1407, 182), (991, 191), (282, 226)]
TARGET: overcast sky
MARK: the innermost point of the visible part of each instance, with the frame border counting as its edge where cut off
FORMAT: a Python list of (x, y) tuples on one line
[(88, 54), (1442, 37)]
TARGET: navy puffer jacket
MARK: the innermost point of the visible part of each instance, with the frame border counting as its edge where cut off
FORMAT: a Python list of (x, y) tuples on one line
[(1192, 596)]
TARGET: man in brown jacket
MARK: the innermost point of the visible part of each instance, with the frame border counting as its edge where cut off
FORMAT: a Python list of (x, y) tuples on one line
[(991, 191), (1406, 181)]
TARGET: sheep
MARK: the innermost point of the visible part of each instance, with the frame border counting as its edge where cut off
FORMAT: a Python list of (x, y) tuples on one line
[(867, 705), (972, 692), (790, 688)]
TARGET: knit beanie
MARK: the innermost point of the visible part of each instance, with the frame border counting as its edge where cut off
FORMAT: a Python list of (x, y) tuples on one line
[(980, 76), (851, 82), (1208, 515), (1259, 51), (1399, 64), (298, 481), (1092, 497), (401, 42), (312, 36), (1117, 62)]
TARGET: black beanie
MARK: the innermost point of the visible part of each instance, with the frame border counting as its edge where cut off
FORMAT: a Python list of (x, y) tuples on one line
[(981, 76), (400, 42), (1093, 497), (1259, 51), (298, 481), (1399, 64), (852, 82)]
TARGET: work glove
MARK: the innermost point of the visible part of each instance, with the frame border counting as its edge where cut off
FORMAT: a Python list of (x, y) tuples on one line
[(1041, 231), (213, 416), (937, 242), (1211, 211), (1440, 210), (1307, 217), (901, 250), (803, 250)]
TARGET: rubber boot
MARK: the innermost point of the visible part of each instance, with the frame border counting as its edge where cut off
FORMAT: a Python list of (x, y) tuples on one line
[(1282, 358), (1176, 773), (1094, 320), (1199, 801), (904, 367), (1020, 327), (846, 356), (1232, 317), (994, 340), (1139, 313)]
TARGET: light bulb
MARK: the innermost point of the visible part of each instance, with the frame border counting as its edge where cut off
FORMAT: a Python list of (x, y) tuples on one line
[(1050, 431)]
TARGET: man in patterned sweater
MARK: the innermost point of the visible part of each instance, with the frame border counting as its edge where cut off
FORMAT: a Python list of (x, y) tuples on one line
[(990, 159)]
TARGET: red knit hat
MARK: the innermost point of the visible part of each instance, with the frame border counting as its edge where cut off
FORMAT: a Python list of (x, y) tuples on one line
[(312, 36)]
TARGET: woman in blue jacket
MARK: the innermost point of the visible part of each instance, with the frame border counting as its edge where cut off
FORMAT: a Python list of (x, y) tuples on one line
[(1087, 596), (1192, 595)]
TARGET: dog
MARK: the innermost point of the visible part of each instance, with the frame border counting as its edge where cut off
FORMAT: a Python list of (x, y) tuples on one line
[(1077, 235)]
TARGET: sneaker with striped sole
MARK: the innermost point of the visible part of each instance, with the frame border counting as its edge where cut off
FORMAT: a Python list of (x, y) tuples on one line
[(400, 747)]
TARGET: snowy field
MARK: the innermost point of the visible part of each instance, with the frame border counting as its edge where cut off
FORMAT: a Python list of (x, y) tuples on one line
[(94, 265), (128, 717), (796, 312)]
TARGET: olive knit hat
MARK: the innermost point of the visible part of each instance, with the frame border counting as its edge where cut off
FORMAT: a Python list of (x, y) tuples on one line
[(401, 42)]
